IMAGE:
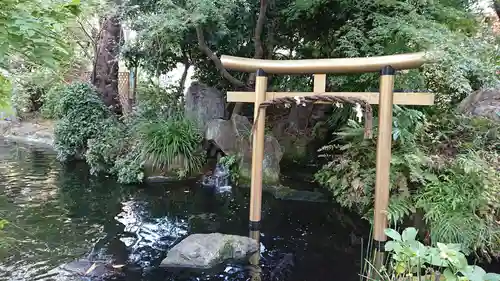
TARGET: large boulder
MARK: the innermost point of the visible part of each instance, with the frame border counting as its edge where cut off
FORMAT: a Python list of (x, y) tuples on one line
[(204, 103), (270, 164), (484, 103), (233, 137), (203, 251)]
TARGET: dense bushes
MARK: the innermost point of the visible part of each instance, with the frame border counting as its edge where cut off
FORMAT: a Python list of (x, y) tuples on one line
[(82, 115), (87, 129), (445, 166)]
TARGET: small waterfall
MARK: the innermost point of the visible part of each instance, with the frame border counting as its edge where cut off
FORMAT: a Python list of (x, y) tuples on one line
[(220, 179)]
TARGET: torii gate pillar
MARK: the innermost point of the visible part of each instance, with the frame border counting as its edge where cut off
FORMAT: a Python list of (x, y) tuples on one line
[(258, 150)]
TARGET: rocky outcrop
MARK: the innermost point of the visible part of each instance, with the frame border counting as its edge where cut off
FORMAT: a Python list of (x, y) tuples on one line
[(484, 103), (204, 251), (204, 103), (233, 137)]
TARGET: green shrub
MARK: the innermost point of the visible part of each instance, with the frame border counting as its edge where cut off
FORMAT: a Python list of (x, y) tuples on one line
[(155, 102), (129, 168), (103, 150), (171, 145), (29, 87), (87, 129), (82, 115), (445, 166), (51, 102), (5, 90)]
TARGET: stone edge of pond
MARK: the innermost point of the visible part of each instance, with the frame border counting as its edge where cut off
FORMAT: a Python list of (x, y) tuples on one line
[(28, 132)]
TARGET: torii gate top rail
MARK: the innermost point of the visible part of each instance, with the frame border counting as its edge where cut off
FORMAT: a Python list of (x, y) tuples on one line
[(310, 66)]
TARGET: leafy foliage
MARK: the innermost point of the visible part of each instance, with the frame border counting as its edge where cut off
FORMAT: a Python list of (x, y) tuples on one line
[(104, 148), (232, 163), (87, 129), (50, 102), (31, 86), (445, 166), (155, 102), (409, 257), (81, 114), (31, 30), (129, 167)]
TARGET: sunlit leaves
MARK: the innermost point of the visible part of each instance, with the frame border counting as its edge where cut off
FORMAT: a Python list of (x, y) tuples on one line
[(30, 30)]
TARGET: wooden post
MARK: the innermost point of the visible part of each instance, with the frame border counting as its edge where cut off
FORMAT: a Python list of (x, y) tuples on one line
[(319, 83), (383, 163), (255, 271), (258, 150)]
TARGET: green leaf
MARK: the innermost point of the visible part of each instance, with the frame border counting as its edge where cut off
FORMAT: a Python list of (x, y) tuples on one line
[(449, 276), (409, 234), (393, 234), (474, 273), (390, 245), (400, 268), (491, 277), (434, 258)]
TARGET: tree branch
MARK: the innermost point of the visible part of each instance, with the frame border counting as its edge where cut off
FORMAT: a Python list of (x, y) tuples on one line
[(259, 28), (86, 33), (259, 49), (218, 64)]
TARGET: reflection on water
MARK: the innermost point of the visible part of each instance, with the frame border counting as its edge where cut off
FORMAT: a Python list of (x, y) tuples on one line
[(59, 214)]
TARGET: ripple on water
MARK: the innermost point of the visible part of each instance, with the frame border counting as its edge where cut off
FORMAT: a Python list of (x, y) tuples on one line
[(59, 213)]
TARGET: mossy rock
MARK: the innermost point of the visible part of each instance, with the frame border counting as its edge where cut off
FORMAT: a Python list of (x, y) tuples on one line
[(286, 193), (269, 177), (296, 149)]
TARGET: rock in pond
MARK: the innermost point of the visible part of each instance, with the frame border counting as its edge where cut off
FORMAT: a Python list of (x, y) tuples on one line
[(203, 251), (81, 270), (286, 193), (233, 138)]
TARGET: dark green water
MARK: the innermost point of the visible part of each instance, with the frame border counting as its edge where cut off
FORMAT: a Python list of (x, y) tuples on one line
[(59, 213)]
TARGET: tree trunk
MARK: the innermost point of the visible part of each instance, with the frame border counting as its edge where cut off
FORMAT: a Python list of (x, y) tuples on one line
[(105, 72)]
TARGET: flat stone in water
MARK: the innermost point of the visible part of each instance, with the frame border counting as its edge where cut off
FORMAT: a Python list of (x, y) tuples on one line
[(79, 270), (286, 193), (203, 251)]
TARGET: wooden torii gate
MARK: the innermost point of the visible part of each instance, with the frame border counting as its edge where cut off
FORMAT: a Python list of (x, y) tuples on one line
[(385, 98)]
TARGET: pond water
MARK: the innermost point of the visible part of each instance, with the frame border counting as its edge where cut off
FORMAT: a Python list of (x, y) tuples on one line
[(58, 214)]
